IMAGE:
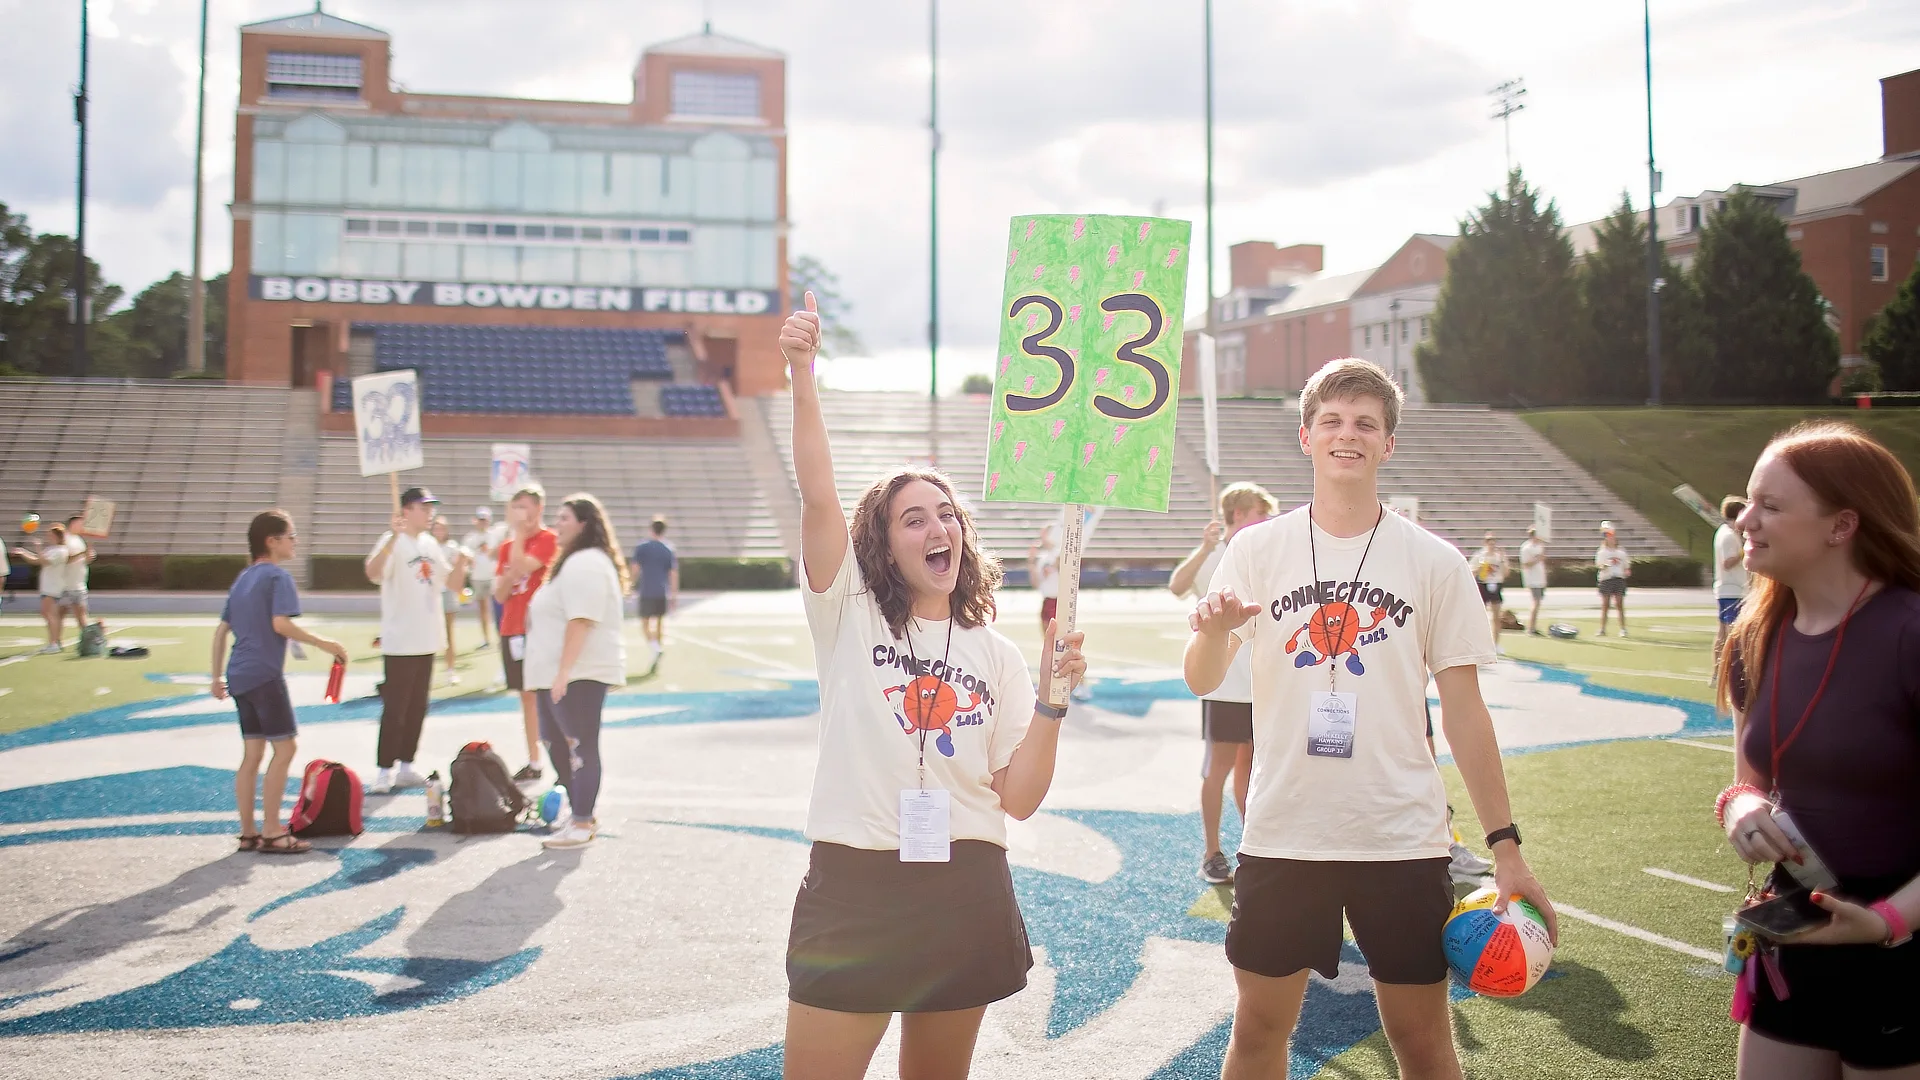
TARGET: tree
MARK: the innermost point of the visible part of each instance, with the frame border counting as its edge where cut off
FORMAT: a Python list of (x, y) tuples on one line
[(1893, 338), (1765, 320), (836, 337), (1504, 326), (36, 273), (977, 383), (1612, 284)]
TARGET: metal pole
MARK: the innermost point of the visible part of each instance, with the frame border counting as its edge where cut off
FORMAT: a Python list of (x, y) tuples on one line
[(80, 225), (1393, 332), (1653, 229), (933, 230), (197, 289), (1209, 67)]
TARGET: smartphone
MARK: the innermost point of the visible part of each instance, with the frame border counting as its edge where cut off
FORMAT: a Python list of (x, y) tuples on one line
[(1810, 870), (1784, 915)]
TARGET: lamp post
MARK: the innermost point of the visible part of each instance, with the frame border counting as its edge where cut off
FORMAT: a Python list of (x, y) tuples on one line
[(1653, 228), (1209, 74), (81, 308), (197, 289), (933, 232)]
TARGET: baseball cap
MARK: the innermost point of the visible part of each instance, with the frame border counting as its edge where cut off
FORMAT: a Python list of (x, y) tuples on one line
[(417, 494), (1606, 526), (483, 512)]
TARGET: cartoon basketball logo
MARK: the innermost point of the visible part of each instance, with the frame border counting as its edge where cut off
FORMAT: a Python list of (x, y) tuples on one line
[(1334, 630), (423, 570), (930, 704)]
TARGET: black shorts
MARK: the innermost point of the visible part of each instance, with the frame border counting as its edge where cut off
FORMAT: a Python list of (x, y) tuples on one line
[(1854, 1000), (872, 934), (1226, 721), (1489, 592), (511, 666), (1613, 586), (1286, 917), (266, 712), (653, 607)]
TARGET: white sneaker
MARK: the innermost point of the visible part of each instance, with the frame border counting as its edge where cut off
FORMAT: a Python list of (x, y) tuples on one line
[(577, 834), (47, 649), (1466, 867), (405, 777), (382, 782), (453, 680)]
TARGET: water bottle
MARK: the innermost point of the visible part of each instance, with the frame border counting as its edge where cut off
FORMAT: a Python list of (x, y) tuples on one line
[(335, 678), (436, 802)]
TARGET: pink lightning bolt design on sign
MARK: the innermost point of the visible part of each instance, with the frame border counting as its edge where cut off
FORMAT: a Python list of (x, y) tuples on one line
[(1058, 427), (1005, 362), (1145, 228), (1173, 255), (1037, 271), (1031, 225), (1127, 392), (1019, 451), (1079, 228), (1073, 313), (1049, 482), (999, 429), (1029, 389), (1107, 323), (1153, 457), (1033, 319), (993, 483), (1073, 275), (1100, 377), (1086, 455), (1113, 255), (1112, 479), (1013, 257), (1119, 432), (1139, 278)]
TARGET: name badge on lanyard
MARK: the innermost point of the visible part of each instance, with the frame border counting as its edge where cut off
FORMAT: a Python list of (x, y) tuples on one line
[(926, 833), (1330, 723)]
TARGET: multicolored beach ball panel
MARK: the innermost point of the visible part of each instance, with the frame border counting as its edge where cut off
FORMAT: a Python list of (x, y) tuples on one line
[(1497, 955)]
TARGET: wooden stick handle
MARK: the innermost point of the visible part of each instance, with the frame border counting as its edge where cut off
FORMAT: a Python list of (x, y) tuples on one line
[(393, 485), (1067, 611)]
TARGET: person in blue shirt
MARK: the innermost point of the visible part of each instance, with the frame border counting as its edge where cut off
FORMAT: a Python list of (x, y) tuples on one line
[(259, 616), (658, 584)]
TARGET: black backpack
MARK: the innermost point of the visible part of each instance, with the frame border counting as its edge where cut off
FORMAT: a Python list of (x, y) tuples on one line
[(481, 795)]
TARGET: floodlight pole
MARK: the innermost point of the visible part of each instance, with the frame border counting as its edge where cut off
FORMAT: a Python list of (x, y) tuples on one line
[(933, 231), (1209, 68), (80, 304), (197, 289), (1653, 228)]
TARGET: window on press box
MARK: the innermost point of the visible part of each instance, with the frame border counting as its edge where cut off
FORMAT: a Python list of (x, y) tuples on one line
[(1877, 261)]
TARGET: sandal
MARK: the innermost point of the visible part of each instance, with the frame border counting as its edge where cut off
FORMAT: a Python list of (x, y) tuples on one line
[(248, 842), (283, 844)]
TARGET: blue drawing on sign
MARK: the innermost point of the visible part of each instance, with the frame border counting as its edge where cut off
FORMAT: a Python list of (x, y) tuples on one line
[(391, 430)]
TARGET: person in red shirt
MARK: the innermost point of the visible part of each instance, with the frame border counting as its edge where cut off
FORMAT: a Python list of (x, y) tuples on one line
[(518, 573)]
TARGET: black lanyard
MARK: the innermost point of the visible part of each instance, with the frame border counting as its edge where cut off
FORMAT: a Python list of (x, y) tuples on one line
[(1314, 555), (915, 662)]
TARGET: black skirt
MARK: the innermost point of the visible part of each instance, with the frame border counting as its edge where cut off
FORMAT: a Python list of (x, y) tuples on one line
[(872, 934)]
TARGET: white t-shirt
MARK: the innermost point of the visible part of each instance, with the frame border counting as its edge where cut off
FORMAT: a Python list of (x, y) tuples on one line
[(1533, 575), (1489, 566), (1612, 561), (1728, 544), (411, 618), (1237, 685), (77, 565), (588, 587), (870, 750), (53, 569), (1419, 614), (485, 548), (1047, 564)]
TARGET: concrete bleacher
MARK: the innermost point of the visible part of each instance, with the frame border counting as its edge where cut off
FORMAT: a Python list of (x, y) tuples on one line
[(1474, 470), (703, 486), (187, 464)]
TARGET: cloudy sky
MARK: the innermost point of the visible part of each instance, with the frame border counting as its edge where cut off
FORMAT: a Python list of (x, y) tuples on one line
[(1349, 123)]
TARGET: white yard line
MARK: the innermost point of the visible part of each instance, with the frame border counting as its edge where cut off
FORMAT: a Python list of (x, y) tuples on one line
[(1702, 745), (1710, 886), (1647, 936), (775, 667)]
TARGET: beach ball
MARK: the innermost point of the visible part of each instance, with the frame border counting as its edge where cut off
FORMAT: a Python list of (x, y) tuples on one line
[(553, 804), (1497, 955), (30, 523)]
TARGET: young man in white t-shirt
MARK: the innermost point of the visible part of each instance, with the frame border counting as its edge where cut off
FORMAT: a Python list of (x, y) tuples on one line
[(1729, 572), (1347, 609), (1226, 715), (411, 570), (1533, 575), (1612, 566), (482, 542)]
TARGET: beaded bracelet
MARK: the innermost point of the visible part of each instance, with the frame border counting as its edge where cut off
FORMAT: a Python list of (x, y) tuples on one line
[(1732, 792)]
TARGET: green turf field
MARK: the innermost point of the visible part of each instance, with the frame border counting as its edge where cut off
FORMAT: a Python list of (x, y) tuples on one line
[(1597, 817), (1643, 454)]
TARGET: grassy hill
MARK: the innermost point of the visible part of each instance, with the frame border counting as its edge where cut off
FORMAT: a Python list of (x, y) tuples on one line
[(1643, 454)]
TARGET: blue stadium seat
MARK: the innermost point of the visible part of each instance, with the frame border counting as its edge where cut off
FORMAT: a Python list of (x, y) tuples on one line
[(531, 368)]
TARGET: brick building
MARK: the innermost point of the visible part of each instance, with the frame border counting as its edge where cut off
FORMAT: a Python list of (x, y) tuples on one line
[(357, 205)]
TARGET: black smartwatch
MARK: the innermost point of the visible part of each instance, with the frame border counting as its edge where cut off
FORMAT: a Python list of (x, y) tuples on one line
[(1511, 832), (1049, 709)]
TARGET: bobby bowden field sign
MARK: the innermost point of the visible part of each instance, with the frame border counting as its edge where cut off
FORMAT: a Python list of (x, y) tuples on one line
[(487, 295)]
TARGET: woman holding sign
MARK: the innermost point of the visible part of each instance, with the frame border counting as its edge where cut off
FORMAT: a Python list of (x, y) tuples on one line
[(930, 735)]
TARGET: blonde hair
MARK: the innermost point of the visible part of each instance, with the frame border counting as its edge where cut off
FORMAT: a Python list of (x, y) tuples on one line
[(1245, 496), (1352, 377)]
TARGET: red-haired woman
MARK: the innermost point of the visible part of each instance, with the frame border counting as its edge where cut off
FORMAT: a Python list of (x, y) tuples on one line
[(1823, 677), (930, 736)]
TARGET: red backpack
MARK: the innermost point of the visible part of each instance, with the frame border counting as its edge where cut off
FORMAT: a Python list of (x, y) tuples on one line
[(329, 803)]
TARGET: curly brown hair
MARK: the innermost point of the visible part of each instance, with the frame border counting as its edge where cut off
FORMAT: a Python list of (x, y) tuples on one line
[(971, 603)]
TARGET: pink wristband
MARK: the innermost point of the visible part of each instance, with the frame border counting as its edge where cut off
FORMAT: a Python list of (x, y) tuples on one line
[(1897, 930)]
